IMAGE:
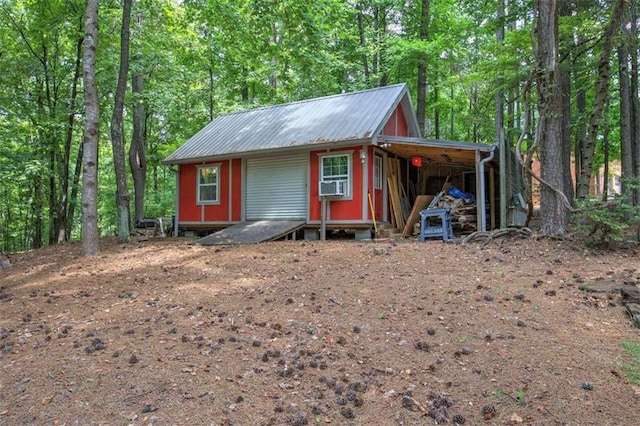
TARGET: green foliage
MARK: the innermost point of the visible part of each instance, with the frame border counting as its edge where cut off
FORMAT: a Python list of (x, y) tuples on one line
[(499, 394), (632, 368), (606, 222), (203, 58)]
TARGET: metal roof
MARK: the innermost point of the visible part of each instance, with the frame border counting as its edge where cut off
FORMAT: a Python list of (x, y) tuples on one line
[(355, 116)]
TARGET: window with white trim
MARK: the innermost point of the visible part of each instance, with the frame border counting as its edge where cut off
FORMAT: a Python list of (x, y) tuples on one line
[(377, 172), (208, 184), (336, 167)]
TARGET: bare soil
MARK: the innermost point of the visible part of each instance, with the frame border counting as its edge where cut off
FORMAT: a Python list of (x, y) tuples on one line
[(338, 332)]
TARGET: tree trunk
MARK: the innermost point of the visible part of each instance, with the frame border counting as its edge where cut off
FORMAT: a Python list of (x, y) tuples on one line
[(436, 112), (499, 96), (626, 142), (137, 154), (422, 68), (211, 91), (365, 62), (581, 131), (73, 198), (605, 148), (63, 220), (37, 213), (52, 190), (549, 130), (602, 92), (90, 233), (122, 191), (635, 97), (565, 89)]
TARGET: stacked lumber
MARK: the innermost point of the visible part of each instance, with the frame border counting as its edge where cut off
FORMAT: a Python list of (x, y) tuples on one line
[(421, 203), (399, 202)]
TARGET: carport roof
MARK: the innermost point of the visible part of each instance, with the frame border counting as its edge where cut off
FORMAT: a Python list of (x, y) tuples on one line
[(435, 151)]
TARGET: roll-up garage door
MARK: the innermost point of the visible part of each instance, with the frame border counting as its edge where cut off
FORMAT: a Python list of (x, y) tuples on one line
[(277, 188)]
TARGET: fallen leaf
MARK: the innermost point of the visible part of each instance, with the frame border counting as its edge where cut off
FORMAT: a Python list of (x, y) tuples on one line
[(516, 418)]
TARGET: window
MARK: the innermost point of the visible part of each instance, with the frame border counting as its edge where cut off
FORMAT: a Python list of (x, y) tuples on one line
[(377, 172), (336, 167), (208, 184)]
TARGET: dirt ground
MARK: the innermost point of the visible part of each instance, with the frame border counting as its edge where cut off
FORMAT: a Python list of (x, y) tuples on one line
[(335, 332)]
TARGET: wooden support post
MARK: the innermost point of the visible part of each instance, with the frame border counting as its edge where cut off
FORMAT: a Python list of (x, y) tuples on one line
[(323, 219)]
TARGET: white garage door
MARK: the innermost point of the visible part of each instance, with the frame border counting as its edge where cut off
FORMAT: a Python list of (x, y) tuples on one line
[(277, 188)]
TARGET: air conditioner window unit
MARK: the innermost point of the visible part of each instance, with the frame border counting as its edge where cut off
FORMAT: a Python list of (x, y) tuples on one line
[(333, 188)]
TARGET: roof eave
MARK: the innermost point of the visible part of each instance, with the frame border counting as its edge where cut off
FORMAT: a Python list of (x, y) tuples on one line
[(258, 152), (437, 143)]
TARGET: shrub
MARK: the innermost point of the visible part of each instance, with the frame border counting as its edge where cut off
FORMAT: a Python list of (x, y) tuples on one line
[(606, 222)]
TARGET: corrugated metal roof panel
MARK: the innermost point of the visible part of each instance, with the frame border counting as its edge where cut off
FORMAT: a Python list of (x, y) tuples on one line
[(348, 116)]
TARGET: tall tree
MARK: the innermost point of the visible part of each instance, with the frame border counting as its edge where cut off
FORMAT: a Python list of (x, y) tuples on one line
[(90, 231), (565, 90), (631, 37), (64, 218), (117, 136), (549, 130), (422, 67), (601, 95), (137, 149)]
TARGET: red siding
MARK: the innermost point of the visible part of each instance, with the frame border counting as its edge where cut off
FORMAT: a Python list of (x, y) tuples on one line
[(231, 198), (397, 124), (219, 212), (190, 211), (350, 209)]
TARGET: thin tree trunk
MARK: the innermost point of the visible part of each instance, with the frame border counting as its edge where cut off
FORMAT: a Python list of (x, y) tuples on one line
[(565, 89), (244, 90), (90, 232), (567, 186), (37, 214), (605, 146), (436, 112), (451, 113), (549, 130), (626, 142), (122, 191), (499, 96), (422, 67), (64, 177), (211, 89), (635, 97), (365, 62), (52, 192), (137, 155), (73, 198), (581, 130), (602, 92)]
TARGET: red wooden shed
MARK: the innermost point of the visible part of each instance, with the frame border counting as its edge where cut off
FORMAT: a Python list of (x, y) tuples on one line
[(276, 163)]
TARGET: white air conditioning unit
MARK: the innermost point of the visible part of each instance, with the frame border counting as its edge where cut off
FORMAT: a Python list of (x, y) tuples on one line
[(333, 188)]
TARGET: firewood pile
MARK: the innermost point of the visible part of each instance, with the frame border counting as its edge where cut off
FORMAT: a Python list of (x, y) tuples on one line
[(463, 215)]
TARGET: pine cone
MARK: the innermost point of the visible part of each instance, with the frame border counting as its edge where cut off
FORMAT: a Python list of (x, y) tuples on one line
[(488, 411), (458, 419)]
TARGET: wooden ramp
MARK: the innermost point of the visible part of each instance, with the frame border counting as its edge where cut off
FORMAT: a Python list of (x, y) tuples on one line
[(252, 232)]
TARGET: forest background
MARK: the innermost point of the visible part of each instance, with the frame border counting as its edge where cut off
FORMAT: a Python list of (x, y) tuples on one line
[(560, 76)]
